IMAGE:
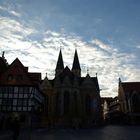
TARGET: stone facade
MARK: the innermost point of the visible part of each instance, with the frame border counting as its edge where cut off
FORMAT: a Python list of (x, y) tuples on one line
[(71, 99), (129, 100)]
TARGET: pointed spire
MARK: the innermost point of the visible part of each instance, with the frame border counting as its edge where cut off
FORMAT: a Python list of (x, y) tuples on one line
[(76, 65), (60, 64), (120, 80), (3, 54)]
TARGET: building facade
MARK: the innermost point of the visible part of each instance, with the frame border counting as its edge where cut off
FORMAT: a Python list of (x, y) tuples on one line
[(72, 99), (20, 95), (129, 100)]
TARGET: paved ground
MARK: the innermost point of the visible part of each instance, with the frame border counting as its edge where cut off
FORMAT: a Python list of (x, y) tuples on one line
[(104, 133)]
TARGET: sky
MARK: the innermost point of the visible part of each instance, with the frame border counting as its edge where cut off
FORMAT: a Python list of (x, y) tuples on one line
[(106, 34)]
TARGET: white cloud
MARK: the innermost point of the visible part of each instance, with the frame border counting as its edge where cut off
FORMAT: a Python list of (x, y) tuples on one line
[(101, 45), (15, 13), (138, 46), (10, 11), (41, 55)]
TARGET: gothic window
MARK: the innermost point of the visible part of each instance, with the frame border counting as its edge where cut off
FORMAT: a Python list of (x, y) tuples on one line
[(47, 104), (88, 105), (75, 102), (57, 104), (136, 103), (66, 102)]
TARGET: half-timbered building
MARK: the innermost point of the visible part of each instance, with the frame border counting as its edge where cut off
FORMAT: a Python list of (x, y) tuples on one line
[(20, 93)]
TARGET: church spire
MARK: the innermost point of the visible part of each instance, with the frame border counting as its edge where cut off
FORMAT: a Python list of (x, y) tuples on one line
[(76, 65), (60, 64)]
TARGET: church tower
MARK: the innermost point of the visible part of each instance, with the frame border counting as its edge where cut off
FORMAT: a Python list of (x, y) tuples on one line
[(76, 65), (60, 64)]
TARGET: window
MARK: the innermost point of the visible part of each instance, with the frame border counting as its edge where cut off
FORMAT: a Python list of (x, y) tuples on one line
[(66, 102), (19, 108), (88, 105), (4, 102), (19, 78), (21, 90), (15, 102), (10, 95), (15, 95), (57, 107), (16, 90), (10, 77), (20, 101), (9, 108), (29, 108), (20, 95), (136, 103), (25, 95), (24, 108), (0, 95), (25, 101), (10, 89), (14, 108), (0, 101), (5, 95), (75, 102), (26, 90), (9, 102)]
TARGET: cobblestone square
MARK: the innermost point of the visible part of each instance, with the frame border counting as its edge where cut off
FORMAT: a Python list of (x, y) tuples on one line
[(102, 133)]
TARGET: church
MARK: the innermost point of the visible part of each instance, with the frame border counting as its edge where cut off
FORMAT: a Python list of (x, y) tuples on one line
[(71, 100), (129, 101)]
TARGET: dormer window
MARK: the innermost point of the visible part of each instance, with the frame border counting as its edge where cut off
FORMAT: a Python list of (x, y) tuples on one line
[(10, 77)]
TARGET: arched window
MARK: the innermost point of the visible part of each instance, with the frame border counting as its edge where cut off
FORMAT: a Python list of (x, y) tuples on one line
[(75, 103), (136, 103), (46, 104), (57, 107), (66, 102), (88, 104)]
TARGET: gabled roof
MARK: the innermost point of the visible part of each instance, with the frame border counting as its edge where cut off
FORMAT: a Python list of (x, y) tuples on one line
[(76, 64), (16, 74), (66, 72), (129, 87), (35, 76), (94, 80)]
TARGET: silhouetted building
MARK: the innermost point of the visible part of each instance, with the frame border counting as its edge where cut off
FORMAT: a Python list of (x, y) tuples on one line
[(129, 100), (20, 94), (106, 107), (72, 99)]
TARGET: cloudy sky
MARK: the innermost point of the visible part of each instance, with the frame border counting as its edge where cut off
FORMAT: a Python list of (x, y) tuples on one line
[(106, 34)]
